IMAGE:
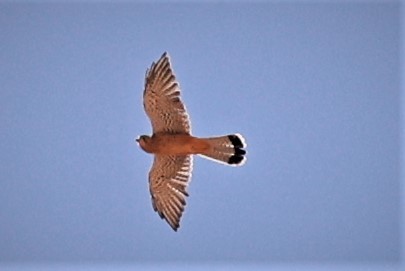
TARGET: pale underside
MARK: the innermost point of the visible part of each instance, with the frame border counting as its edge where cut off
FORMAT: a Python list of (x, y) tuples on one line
[(162, 101), (168, 181), (169, 176)]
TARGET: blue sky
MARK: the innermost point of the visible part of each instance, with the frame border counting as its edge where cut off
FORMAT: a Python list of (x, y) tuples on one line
[(313, 87)]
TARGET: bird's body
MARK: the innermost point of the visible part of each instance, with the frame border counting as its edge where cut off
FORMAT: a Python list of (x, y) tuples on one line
[(173, 144)]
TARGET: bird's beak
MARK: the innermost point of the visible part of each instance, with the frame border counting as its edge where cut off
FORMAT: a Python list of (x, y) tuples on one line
[(137, 140)]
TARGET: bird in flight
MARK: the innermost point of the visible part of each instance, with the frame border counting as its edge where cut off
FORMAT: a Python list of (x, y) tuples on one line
[(173, 145)]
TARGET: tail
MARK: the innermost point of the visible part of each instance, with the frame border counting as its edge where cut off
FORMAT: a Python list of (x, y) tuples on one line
[(227, 149)]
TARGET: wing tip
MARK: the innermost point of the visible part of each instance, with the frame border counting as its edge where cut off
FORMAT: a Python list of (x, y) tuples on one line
[(175, 227), (164, 56)]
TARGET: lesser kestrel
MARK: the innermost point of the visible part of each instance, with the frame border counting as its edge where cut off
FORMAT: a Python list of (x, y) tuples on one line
[(173, 145)]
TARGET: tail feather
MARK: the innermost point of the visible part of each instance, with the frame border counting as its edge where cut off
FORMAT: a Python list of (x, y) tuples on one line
[(227, 149)]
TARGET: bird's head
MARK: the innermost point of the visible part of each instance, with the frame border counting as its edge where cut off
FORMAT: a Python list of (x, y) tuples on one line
[(143, 140)]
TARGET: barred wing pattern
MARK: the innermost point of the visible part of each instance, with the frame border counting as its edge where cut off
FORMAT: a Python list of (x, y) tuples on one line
[(161, 99), (168, 180)]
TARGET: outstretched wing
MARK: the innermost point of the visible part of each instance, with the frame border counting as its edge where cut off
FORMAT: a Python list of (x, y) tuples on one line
[(168, 180), (161, 99)]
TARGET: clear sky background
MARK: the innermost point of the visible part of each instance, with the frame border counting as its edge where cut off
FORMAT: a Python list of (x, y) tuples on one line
[(313, 87)]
